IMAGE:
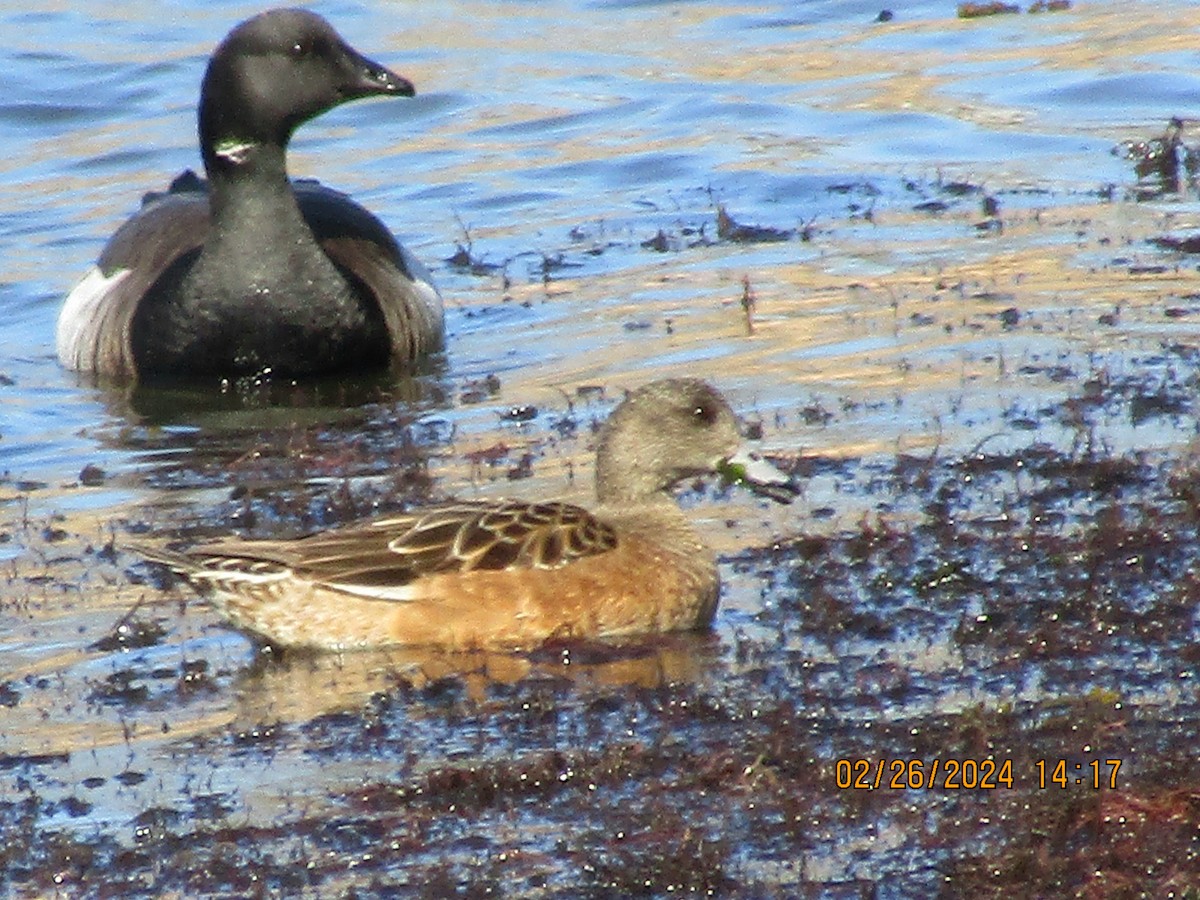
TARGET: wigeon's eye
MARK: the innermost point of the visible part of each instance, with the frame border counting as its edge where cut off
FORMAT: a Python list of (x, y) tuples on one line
[(705, 413), (301, 49)]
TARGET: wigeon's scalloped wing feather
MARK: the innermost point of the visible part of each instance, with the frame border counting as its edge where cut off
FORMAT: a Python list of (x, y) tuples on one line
[(379, 560)]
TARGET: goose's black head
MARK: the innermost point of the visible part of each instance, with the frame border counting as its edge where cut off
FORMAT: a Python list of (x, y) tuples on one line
[(272, 73)]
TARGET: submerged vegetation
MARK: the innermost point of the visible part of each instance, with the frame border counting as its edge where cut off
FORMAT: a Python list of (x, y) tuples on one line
[(985, 683)]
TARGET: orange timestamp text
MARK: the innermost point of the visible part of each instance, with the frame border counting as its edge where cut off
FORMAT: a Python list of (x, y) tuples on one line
[(953, 774)]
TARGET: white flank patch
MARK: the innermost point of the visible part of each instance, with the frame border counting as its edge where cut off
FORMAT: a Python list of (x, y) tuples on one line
[(82, 316), (422, 280), (429, 294), (431, 300)]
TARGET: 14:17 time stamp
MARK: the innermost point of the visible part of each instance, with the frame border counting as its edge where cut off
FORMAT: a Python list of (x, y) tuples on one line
[(970, 774), (1094, 773)]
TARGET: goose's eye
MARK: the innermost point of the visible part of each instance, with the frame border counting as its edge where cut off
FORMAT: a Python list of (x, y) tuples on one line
[(302, 48)]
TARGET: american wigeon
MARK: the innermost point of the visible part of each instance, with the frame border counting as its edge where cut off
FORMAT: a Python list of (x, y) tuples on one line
[(250, 272), (502, 574)]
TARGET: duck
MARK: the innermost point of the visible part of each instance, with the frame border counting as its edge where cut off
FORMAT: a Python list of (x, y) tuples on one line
[(246, 272), (504, 574)]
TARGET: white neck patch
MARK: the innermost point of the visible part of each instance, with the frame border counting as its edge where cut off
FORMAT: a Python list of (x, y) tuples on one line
[(234, 150)]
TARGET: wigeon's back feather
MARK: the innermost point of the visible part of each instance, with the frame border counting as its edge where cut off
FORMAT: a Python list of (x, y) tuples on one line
[(249, 272), (501, 574)]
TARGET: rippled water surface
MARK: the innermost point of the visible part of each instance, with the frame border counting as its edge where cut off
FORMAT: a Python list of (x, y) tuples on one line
[(953, 286)]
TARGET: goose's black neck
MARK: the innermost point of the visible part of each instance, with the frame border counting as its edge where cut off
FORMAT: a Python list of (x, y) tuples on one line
[(262, 295), (250, 195)]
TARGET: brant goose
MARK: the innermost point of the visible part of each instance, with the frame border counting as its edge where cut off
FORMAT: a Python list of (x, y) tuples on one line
[(505, 574), (250, 272)]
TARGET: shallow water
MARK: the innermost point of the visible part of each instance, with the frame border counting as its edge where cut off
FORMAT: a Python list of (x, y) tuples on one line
[(580, 152)]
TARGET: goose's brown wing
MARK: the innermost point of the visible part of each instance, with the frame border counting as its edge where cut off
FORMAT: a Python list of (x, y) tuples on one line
[(366, 252)]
